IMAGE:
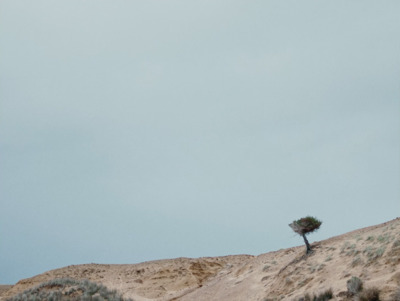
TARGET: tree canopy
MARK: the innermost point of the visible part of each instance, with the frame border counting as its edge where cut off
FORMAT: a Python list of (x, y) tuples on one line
[(304, 226)]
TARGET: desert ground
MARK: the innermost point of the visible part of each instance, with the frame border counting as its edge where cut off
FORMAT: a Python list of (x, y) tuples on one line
[(371, 254)]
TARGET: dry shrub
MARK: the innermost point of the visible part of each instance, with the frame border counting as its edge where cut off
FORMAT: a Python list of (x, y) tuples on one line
[(370, 294), (68, 289), (324, 296), (354, 285), (327, 295), (396, 296)]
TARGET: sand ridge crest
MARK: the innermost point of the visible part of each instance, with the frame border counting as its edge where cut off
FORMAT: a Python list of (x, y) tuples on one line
[(371, 253)]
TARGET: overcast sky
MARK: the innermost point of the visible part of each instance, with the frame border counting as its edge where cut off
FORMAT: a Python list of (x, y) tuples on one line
[(141, 130)]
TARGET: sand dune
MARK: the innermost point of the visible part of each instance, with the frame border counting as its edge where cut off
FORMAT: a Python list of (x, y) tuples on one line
[(372, 254)]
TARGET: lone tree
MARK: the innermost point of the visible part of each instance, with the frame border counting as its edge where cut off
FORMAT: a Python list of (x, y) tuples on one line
[(304, 226)]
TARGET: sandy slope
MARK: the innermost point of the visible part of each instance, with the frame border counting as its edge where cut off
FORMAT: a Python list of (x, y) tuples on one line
[(372, 254), (4, 289)]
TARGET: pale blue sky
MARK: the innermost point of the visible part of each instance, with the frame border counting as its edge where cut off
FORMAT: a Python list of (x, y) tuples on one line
[(141, 130)]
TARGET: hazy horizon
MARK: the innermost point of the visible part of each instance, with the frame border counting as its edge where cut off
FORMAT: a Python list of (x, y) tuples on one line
[(140, 130)]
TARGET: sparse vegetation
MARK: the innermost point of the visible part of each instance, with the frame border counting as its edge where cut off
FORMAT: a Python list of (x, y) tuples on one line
[(354, 285), (329, 258), (370, 238), (349, 249), (316, 267), (285, 274), (369, 294), (266, 268), (396, 295), (305, 226), (326, 295), (358, 238), (394, 252), (379, 252), (357, 261), (368, 251), (355, 288), (288, 281), (345, 247), (384, 238), (374, 253), (301, 283), (67, 289), (352, 250)]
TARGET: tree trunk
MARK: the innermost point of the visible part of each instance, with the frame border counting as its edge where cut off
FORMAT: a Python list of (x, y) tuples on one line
[(307, 244)]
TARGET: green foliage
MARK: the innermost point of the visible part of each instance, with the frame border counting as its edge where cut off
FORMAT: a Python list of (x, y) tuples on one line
[(305, 225), (67, 289)]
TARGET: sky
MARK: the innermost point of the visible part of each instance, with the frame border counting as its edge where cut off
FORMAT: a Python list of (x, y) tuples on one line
[(141, 130)]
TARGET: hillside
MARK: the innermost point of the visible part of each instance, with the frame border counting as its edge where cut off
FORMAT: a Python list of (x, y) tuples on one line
[(372, 254)]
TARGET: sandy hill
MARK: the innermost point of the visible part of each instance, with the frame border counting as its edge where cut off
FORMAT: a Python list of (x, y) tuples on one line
[(372, 254)]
